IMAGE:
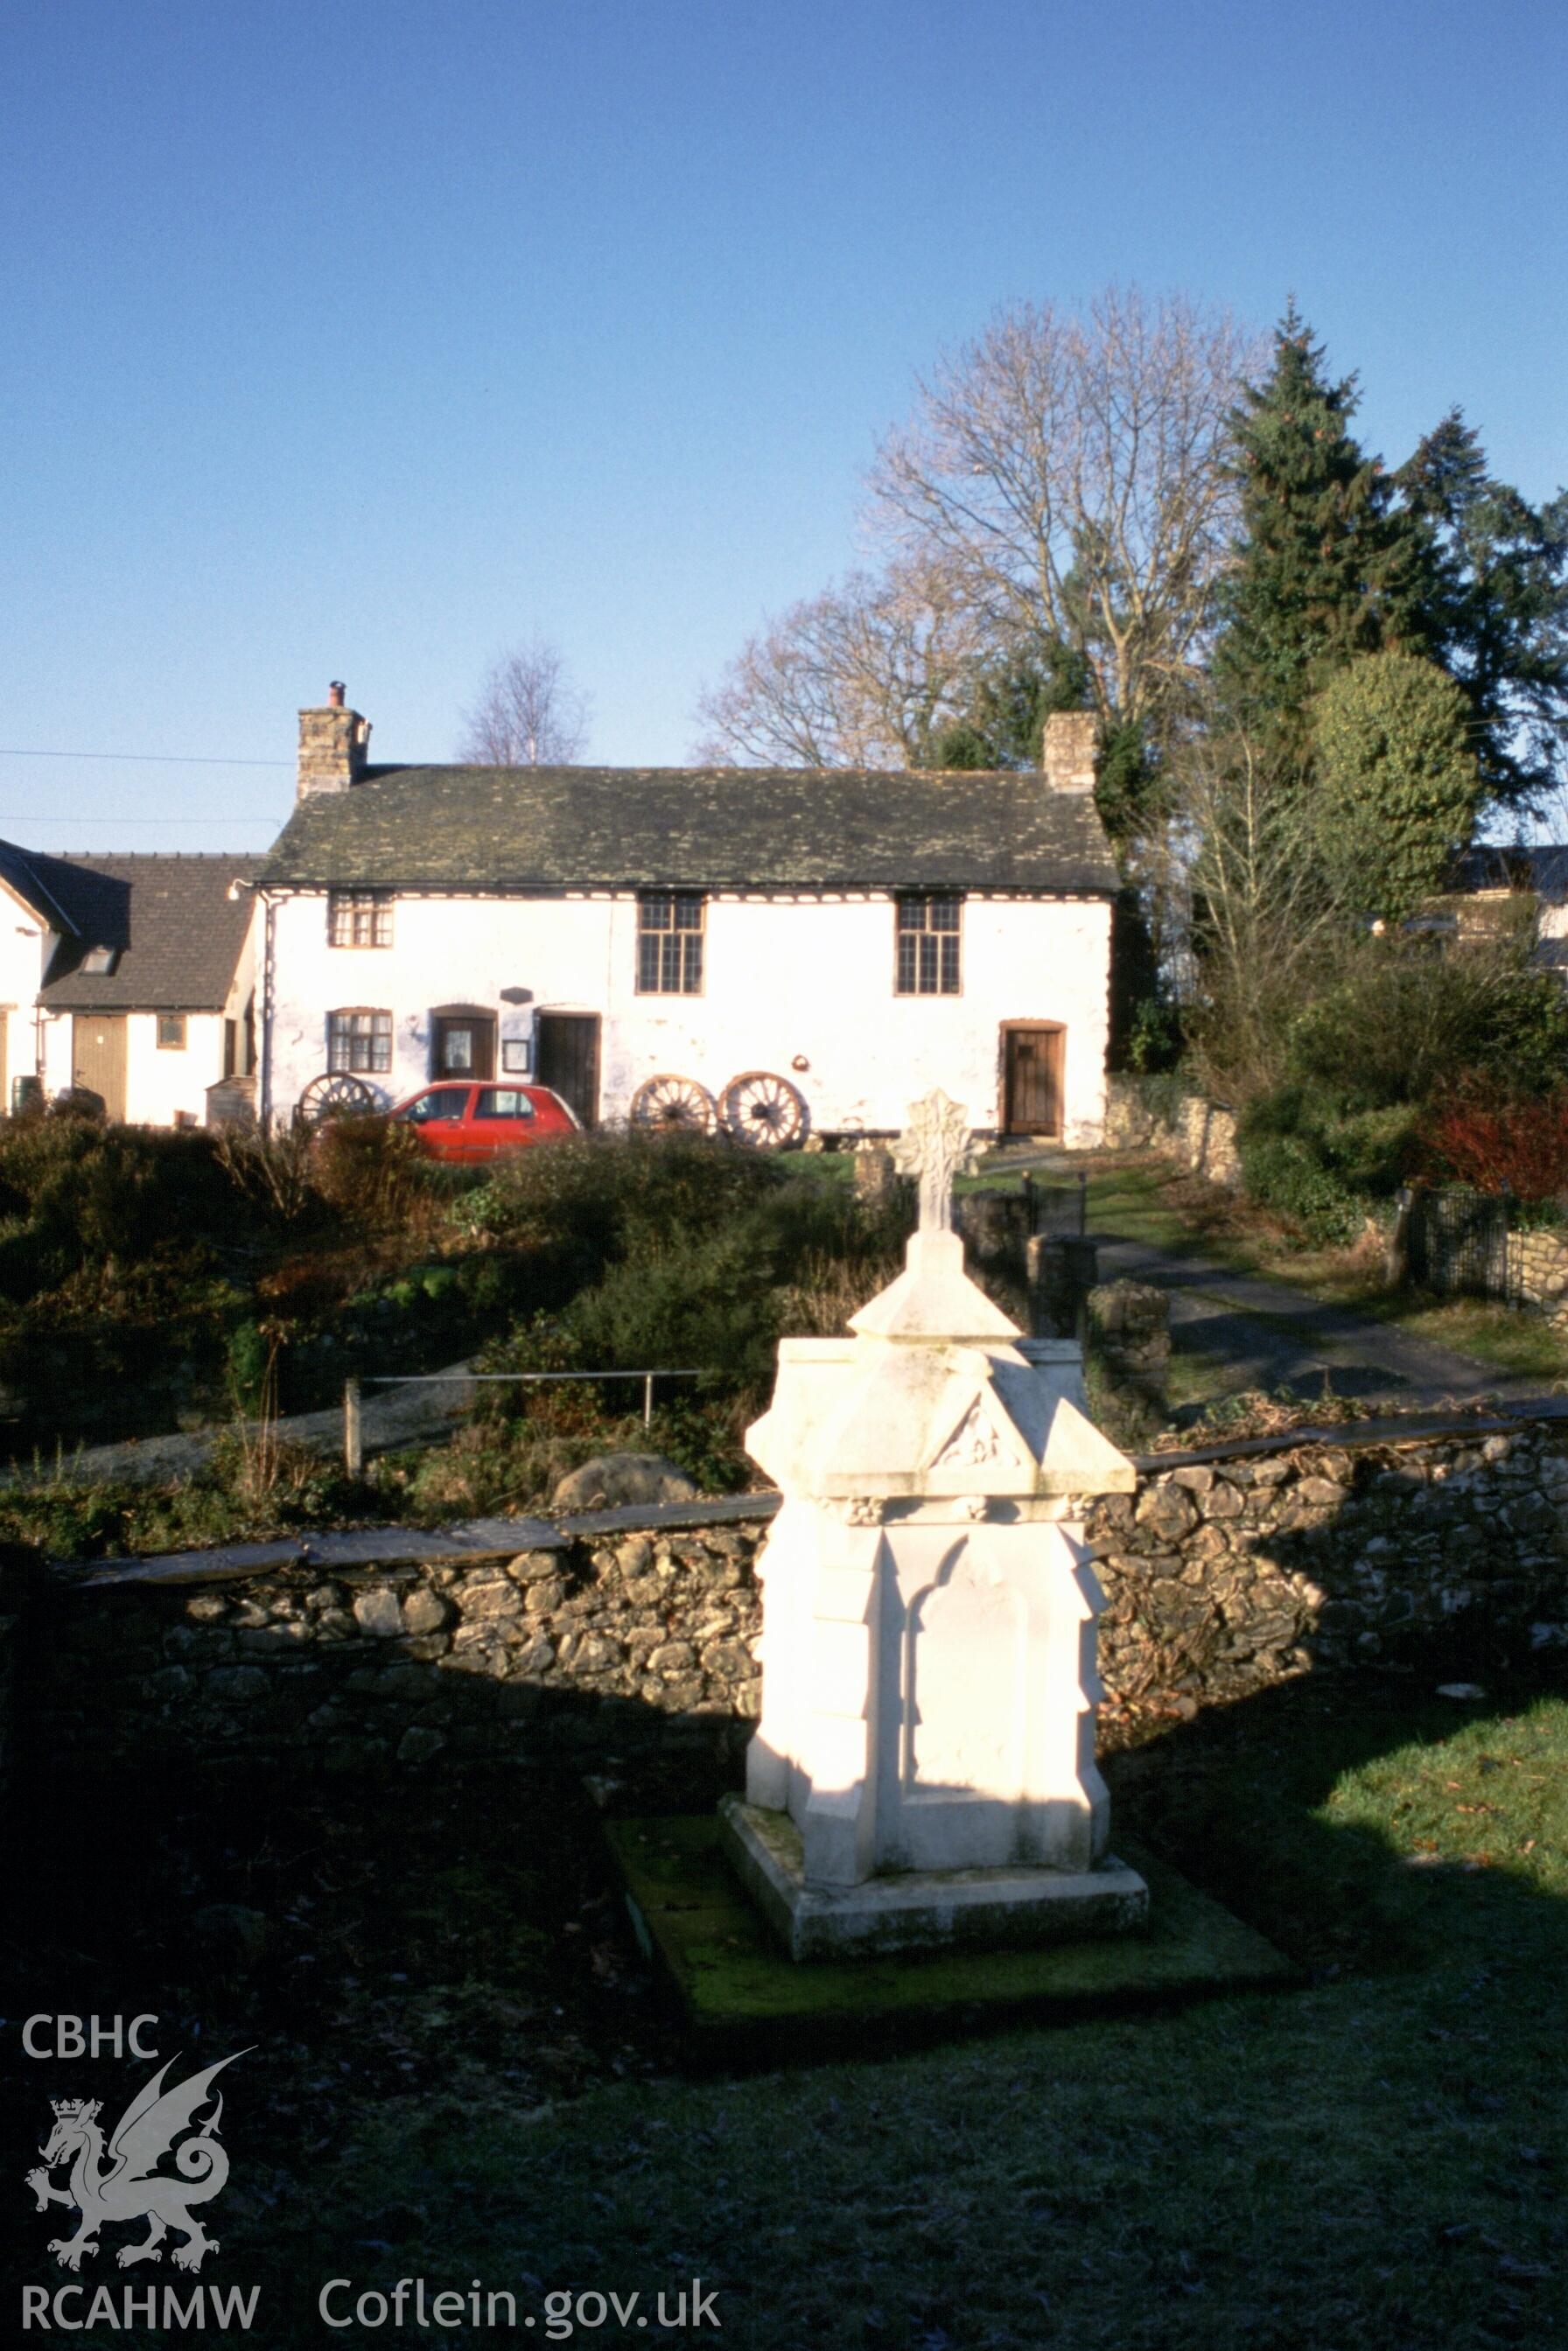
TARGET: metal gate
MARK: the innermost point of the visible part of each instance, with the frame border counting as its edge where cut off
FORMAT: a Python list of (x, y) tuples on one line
[(1458, 1241)]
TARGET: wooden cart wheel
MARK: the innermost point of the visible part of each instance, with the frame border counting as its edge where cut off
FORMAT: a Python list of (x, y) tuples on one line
[(334, 1094), (763, 1110), (674, 1105)]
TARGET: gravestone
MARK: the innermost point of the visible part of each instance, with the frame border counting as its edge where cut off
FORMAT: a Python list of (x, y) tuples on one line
[(923, 1770)]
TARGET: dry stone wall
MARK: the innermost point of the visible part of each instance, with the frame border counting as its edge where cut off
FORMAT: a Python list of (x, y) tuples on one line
[(636, 1645), (1538, 1272), (1198, 1135), (1224, 1575), (619, 1652)]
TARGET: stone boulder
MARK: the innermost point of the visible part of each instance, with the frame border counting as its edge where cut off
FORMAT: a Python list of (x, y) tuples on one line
[(612, 1480)]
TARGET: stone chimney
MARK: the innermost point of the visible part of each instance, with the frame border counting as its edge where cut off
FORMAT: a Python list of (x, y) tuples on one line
[(333, 744), (1071, 737)]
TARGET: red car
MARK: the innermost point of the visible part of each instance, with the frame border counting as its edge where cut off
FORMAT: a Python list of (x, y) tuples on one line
[(457, 1120)]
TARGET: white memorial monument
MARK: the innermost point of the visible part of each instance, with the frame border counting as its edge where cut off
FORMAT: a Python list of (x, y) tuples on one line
[(924, 1771)]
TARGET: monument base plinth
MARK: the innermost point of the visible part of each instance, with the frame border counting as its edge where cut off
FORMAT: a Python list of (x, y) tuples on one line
[(922, 1910), (743, 2000)]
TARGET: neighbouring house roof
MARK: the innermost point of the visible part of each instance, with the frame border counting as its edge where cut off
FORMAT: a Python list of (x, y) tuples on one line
[(175, 933), (1543, 869), (30, 875), (694, 827)]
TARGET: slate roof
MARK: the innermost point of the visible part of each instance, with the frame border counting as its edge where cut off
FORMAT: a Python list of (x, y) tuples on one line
[(1543, 869), (178, 934), (30, 874), (694, 827)]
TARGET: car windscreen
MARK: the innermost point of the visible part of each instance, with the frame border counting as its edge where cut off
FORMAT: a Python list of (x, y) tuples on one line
[(450, 1102)]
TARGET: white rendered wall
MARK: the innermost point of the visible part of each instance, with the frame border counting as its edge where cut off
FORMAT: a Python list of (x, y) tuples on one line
[(782, 978), (25, 946), (1552, 929), (159, 1080), (240, 990)]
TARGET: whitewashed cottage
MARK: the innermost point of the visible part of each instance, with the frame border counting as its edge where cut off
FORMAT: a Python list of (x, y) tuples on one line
[(127, 979), (794, 951)]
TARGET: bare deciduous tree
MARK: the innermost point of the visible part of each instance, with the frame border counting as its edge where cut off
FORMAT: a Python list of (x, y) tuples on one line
[(866, 674), (1069, 472), (1264, 918), (528, 713)]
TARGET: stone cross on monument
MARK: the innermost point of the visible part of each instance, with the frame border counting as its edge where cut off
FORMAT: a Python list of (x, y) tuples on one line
[(935, 1147), (923, 1768)]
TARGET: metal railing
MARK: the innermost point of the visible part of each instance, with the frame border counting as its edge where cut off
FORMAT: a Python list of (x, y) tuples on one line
[(1060, 1210), (354, 1386)]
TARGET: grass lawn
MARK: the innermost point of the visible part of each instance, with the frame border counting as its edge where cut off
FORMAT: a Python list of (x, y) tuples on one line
[(1375, 2163), (1146, 1200)]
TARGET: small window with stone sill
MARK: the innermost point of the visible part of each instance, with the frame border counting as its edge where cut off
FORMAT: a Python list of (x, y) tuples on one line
[(926, 937), (360, 918), (670, 943), (170, 1032), (359, 1039)]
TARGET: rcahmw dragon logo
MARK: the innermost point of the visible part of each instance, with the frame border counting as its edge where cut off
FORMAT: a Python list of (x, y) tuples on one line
[(126, 2187)]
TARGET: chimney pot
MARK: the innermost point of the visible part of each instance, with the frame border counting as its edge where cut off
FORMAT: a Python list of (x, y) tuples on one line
[(335, 693)]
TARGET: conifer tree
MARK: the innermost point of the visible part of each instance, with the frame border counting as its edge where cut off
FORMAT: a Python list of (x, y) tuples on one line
[(1330, 565), (1497, 608), (1395, 780)]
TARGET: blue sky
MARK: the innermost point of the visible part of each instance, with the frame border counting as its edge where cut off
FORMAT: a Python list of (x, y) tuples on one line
[(357, 340)]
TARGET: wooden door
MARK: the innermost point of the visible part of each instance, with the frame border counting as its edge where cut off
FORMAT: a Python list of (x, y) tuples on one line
[(463, 1044), (1031, 1084), (567, 1059), (97, 1057)]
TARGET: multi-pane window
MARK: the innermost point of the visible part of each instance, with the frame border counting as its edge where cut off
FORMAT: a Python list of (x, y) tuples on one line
[(927, 938), (359, 1040), (360, 918), (172, 1032), (670, 943)]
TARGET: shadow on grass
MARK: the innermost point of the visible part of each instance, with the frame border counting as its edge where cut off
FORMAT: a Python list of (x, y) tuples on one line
[(1248, 1801), (463, 2073)]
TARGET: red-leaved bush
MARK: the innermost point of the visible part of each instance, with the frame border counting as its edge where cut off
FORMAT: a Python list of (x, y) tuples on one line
[(1476, 1136)]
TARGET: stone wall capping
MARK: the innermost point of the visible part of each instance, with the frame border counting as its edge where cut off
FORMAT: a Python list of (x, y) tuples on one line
[(181, 1566), (1362, 1435), (375, 1547), (641, 1518)]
